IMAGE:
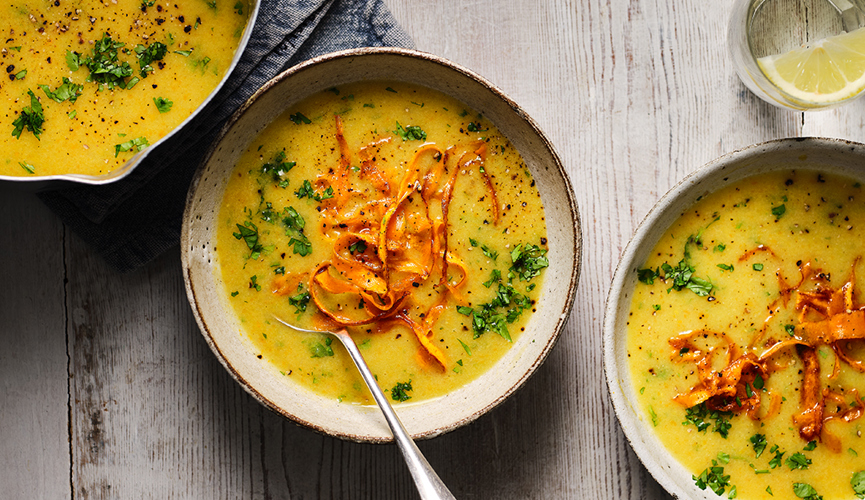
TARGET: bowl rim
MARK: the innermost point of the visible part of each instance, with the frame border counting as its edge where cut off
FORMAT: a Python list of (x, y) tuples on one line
[(673, 201), (575, 226), (45, 182)]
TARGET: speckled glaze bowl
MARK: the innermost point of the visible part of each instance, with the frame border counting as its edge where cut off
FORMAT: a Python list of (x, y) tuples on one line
[(829, 155), (423, 419)]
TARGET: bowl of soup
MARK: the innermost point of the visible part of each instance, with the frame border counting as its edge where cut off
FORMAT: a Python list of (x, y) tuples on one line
[(734, 325), (401, 197), (93, 87)]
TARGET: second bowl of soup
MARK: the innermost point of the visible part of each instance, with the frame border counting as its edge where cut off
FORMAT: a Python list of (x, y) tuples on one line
[(733, 331)]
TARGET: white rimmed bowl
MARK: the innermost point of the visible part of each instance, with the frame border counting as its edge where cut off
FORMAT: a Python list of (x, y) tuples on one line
[(423, 419), (829, 155)]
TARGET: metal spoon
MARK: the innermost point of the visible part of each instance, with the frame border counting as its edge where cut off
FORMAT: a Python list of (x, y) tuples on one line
[(429, 485)]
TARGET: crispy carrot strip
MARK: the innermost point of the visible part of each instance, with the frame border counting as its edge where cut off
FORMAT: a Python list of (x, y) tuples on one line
[(810, 419), (422, 334), (482, 158)]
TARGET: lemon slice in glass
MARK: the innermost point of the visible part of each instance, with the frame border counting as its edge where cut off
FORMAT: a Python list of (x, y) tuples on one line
[(820, 73)]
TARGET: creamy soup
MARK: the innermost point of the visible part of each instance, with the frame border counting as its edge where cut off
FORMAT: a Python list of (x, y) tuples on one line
[(396, 212), (743, 338), (90, 83)]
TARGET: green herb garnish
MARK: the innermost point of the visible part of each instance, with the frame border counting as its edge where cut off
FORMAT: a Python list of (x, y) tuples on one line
[(806, 491), (758, 441), (410, 133), (294, 224), (140, 143), (147, 54), (714, 478), (399, 391), (298, 118), (163, 104), (103, 64), (700, 415), (528, 261), (31, 118), (319, 350), (67, 91)]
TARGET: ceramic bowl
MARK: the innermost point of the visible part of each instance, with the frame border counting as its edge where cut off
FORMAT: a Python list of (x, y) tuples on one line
[(829, 155), (423, 419), (51, 182)]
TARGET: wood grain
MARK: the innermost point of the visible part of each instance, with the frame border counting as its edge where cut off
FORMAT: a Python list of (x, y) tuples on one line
[(109, 391)]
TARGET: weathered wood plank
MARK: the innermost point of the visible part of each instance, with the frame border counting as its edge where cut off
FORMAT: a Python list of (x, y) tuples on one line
[(34, 438)]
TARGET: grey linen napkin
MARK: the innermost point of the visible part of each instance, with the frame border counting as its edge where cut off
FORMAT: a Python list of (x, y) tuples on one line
[(134, 220)]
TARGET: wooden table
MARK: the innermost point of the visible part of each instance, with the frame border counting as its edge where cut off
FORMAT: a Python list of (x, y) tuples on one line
[(107, 389)]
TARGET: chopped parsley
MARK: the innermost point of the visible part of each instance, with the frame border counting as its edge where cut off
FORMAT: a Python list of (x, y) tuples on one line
[(777, 459), (725, 267), (858, 483), (31, 118), (294, 223), (758, 441), (299, 301), (103, 64), (485, 249), (797, 461), (790, 329), (147, 54), (306, 191), (67, 91), (298, 118), (399, 391), (528, 261), (779, 211), (358, 246), (495, 277), (506, 307), (714, 478), (73, 60), (806, 491), (319, 350), (682, 277), (163, 104), (248, 232), (139, 143), (410, 133), (757, 267), (475, 127), (699, 416), (277, 168), (253, 283), (465, 347)]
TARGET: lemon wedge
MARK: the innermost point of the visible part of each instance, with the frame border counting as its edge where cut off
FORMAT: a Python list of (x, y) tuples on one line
[(827, 71)]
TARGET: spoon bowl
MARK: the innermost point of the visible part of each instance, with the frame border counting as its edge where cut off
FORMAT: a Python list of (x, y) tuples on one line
[(428, 483)]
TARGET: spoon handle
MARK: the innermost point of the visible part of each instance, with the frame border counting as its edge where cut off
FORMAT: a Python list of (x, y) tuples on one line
[(429, 485)]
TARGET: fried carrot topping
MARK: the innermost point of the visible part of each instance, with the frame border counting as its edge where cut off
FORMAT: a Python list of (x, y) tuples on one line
[(389, 229), (826, 317)]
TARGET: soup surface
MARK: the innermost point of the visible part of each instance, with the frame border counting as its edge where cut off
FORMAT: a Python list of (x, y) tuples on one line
[(396, 212), (743, 338), (89, 83)]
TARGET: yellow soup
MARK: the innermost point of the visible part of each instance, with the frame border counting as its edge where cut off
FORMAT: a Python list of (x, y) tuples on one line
[(89, 83), (743, 338), (392, 210)]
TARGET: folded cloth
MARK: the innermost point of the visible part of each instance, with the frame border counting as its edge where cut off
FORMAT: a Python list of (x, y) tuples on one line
[(132, 221)]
